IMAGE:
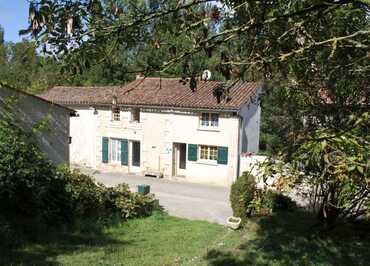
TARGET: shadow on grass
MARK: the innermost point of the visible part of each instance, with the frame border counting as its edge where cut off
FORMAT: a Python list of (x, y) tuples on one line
[(44, 247), (290, 239)]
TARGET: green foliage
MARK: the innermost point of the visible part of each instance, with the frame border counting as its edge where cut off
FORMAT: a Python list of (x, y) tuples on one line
[(269, 201), (91, 200), (336, 164), (1, 35), (241, 195), (276, 201), (35, 195), (28, 184), (130, 204), (85, 197)]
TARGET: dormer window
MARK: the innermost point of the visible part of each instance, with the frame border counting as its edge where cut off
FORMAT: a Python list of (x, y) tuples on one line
[(135, 115), (116, 114), (209, 120)]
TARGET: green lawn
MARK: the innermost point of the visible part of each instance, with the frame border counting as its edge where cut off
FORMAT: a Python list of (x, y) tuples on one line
[(285, 239)]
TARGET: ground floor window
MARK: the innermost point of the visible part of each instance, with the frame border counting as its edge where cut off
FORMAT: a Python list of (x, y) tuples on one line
[(115, 150), (208, 153)]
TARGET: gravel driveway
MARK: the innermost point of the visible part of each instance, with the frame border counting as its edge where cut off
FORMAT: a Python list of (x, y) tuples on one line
[(179, 198)]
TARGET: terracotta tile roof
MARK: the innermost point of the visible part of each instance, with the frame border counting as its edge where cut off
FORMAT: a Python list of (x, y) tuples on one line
[(165, 92), (10, 89)]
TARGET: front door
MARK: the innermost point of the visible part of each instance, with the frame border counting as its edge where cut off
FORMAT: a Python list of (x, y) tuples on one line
[(180, 159), (135, 157)]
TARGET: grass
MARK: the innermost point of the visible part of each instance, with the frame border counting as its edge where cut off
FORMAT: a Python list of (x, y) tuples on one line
[(285, 239)]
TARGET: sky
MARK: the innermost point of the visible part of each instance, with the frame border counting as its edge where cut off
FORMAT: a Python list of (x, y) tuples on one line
[(13, 17)]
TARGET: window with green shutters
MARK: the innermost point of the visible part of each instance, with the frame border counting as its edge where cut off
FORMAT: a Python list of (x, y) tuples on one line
[(192, 152), (124, 152), (208, 153), (222, 155), (105, 149)]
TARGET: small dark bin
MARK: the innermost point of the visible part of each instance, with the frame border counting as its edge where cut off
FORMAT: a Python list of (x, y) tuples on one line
[(143, 189)]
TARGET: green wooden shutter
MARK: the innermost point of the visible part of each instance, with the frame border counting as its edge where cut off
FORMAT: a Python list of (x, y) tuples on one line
[(222, 155), (192, 152), (124, 152), (105, 143)]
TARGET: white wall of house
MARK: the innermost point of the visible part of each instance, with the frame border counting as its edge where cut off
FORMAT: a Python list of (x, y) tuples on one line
[(252, 164), (157, 132), (186, 129), (83, 132), (30, 111)]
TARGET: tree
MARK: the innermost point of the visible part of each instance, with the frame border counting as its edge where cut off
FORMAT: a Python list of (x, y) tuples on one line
[(337, 163), (1, 35)]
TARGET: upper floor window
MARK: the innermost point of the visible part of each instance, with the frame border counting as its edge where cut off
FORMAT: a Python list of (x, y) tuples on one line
[(116, 114), (135, 115), (209, 120)]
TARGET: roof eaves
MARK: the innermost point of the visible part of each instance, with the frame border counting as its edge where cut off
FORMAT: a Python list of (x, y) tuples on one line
[(158, 106)]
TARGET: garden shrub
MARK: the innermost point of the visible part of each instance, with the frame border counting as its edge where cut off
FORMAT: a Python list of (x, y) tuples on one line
[(266, 201), (29, 187), (247, 200), (35, 194), (85, 197), (242, 194), (91, 200), (275, 201), (131, 205)]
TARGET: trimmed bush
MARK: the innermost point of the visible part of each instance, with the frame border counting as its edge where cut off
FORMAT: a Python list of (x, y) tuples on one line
[(242, 194)]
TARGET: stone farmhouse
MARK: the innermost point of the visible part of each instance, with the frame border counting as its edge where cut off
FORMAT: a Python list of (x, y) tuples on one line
[(160, 127)]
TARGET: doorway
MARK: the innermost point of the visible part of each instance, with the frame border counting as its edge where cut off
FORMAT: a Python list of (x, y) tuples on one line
[(179, 157), (135, 158)]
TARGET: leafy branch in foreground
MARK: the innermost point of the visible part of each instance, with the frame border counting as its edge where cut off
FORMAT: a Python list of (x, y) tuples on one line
[(336, 165), (313, 55), (276, 29)]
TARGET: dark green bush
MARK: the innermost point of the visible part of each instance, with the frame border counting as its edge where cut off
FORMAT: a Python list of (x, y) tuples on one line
[(34, 194), (91, 200), (242, 194), (28, 184), (85, 196), (131, 205), (275, 201)]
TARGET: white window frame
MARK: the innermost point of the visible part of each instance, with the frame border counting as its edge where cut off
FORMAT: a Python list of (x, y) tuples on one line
[(115, 150), (209, 121), (116, 114), (208, 153), (133, 110)]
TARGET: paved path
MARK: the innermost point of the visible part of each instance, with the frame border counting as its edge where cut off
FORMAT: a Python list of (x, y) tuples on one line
[(179, 198)]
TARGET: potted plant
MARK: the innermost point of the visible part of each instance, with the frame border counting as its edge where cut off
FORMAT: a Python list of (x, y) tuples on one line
[(233, 222)]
